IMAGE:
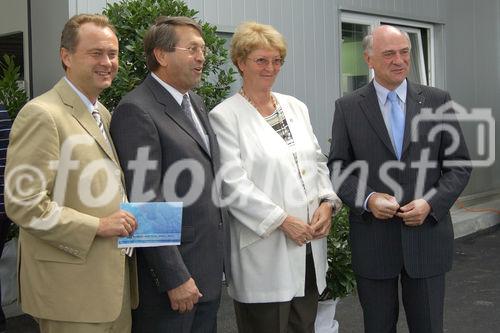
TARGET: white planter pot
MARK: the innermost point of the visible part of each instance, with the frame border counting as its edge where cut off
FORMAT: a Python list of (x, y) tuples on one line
[(325, 319), (8, 272)]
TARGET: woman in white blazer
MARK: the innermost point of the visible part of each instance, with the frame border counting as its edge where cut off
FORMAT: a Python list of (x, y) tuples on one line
[(277, 187)]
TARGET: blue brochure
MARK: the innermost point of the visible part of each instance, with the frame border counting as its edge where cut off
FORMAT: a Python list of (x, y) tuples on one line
[(158, 224)]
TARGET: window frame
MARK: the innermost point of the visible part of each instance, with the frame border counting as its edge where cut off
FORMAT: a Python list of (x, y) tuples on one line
[(410, 26)]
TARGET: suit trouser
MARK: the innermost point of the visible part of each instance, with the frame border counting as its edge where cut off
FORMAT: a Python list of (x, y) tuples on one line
[(122, 324), (295, 316), (423, 301), (201, 319)]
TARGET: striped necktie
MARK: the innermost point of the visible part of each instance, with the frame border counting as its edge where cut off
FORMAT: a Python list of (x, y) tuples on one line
[(98, 119)]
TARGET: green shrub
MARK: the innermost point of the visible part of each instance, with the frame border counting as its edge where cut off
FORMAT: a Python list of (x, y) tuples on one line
[(12, 96), (340, 277), (132, 18)]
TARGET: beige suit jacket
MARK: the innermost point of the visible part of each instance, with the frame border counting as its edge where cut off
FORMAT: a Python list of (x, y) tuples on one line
[(62, 176)]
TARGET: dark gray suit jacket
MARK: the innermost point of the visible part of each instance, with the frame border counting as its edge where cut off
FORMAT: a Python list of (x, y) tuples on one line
[(381, 248), (149, 116)]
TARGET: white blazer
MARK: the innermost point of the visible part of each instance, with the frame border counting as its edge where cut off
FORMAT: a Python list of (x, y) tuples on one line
[(261, 185)]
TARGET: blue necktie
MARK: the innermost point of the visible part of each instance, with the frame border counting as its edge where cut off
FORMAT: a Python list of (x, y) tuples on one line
[(397, 122)]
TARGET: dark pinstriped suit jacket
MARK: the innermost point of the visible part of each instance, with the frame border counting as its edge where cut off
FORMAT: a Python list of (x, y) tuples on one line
[(380, 249)]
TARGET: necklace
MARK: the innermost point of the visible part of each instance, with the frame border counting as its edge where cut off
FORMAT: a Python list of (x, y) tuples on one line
[(273, 100)]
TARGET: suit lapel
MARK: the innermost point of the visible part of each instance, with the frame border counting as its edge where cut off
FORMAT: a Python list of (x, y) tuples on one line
[(174, 111), (414, 101), (82, 115), (370, 106)]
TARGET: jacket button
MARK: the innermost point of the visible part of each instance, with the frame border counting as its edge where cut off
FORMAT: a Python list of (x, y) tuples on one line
[(123, 252)]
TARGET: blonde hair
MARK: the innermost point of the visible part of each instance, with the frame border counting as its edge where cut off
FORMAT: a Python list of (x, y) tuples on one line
[(250, 36)]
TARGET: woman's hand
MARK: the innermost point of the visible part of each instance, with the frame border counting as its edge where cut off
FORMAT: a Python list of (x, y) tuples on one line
[(322, 220), (297, 230)]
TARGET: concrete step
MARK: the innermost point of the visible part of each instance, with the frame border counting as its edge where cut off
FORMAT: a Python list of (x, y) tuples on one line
[(468, 219)]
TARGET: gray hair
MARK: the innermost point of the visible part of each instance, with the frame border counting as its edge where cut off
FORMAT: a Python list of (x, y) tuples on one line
[(368, 40)]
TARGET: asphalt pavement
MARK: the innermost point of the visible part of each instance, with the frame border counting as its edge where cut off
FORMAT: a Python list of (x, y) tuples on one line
[(472, 303)]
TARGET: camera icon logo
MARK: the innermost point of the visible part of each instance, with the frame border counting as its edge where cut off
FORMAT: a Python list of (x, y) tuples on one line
[(447, 117)]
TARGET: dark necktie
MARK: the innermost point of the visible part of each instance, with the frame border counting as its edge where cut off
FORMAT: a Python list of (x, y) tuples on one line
[(186, 108)]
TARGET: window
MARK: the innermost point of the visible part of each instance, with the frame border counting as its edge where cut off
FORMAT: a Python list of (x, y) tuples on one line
[(355, 72), (12, 44)]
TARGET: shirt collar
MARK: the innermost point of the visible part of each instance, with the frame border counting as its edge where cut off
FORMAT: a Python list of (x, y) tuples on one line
[(383, 91), (84, 98), (176, 94)]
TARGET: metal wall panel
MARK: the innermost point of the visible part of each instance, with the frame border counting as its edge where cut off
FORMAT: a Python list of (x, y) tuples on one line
[(472, 71)]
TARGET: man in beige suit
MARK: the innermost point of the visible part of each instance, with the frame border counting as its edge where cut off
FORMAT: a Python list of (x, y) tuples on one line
[(64, 188)]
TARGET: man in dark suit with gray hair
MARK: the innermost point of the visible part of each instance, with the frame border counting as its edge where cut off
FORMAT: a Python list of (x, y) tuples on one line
[(399, 187), (163, 121)]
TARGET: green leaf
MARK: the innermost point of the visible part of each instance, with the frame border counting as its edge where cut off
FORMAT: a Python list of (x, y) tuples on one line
[(340, 276), (11, 94)]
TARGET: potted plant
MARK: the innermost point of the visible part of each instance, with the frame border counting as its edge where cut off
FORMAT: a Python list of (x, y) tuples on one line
[(132, 18), (340, 277)]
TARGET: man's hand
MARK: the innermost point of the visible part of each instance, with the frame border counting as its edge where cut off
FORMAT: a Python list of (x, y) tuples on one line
[(297, 230), (322, 220), (382, 205), (415, 212), (120, 223), (184, 297)]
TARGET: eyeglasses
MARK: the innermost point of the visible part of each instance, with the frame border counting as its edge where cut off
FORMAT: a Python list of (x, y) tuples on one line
[(264, 62), (195, 49)]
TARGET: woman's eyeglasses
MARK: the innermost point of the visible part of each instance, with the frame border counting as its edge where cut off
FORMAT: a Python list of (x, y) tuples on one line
[(264, 62)]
